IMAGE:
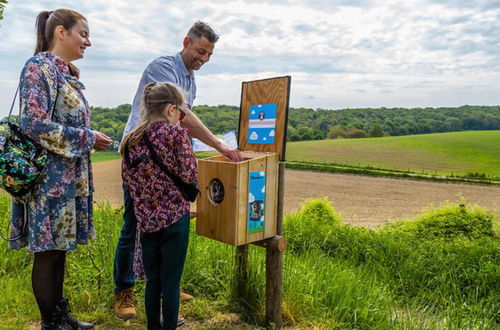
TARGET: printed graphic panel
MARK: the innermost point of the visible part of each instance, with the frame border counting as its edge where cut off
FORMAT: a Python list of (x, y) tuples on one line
[(262, 124), (256, 198)]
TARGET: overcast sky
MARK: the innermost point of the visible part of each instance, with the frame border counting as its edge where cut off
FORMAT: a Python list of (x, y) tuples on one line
[(340, 54)]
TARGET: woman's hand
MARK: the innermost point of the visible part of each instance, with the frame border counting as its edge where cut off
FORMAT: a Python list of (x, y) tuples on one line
[(102, 141)]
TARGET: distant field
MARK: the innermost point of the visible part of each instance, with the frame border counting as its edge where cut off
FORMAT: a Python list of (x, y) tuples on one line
[(457, 153), (100, 156)]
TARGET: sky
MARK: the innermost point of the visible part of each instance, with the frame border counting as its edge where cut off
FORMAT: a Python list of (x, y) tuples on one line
[(340, 54)]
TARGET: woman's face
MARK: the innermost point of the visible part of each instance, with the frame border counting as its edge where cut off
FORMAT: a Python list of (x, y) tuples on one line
[(77, 40)]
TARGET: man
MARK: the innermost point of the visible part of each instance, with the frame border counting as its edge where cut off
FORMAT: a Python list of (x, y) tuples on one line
[(198, 46)]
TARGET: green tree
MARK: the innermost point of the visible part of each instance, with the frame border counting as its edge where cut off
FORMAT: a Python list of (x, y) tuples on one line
[(305, 133), (2, 6), (376, 131), (356, 133), (337, 133)]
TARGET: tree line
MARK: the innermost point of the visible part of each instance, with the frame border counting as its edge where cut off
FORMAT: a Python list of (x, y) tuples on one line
[(318, 124)]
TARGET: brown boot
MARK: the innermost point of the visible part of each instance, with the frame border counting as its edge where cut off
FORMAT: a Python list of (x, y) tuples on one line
[(124, 306), (185, 296)]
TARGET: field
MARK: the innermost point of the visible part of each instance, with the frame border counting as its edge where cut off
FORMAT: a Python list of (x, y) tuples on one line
[(362, 200), (457, 153)]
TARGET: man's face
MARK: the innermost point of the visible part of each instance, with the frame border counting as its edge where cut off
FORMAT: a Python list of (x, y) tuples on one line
[(196, 52)]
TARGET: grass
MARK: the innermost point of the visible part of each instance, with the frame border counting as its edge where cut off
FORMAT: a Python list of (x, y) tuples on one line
[(470, 153), (438, 271), (100, 156)]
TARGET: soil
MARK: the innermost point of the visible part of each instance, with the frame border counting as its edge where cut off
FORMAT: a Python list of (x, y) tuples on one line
[(362, 200)]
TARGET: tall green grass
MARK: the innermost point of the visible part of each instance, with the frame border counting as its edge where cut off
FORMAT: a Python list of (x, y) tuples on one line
[(440, 270)]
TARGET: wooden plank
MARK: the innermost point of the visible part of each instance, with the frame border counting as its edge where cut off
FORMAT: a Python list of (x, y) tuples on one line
[(267, 91), (241, 216), (217, 221), (271, 196)]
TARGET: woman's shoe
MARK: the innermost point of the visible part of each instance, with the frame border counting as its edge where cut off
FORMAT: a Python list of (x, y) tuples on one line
[(56, 322), (63, 306)]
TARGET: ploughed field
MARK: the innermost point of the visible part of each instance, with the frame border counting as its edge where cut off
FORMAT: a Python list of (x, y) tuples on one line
[(362, 200)]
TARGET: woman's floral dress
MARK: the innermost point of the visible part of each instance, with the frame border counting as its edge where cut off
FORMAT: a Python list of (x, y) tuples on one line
[(56, 115)]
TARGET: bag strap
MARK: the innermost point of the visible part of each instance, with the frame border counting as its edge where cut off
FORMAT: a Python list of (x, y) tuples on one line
[(126, 156), (13, 101), (154, 156), (17, 92)]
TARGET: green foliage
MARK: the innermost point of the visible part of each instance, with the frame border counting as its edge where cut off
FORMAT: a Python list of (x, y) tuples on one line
[(336, 133), (111, 121), (356, 133), (335, 276), (2, 6), (315, 216), (308, 124), (448, 222), (376, 131), (441, 261)]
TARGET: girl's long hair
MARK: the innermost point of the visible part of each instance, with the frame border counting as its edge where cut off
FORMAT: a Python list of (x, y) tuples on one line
[(46, 23), (154, 99)]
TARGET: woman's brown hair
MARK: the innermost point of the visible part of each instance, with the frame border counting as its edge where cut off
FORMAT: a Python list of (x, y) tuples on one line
[(154, 99), (46, 23)]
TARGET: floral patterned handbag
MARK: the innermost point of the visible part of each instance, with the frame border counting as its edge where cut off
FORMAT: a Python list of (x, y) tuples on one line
[(22, 161)]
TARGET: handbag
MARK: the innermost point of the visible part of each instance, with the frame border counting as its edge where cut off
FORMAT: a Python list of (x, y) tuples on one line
[(188, 190), (22, 163)]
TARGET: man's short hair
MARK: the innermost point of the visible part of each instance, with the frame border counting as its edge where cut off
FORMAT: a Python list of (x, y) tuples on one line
[(202, 29)]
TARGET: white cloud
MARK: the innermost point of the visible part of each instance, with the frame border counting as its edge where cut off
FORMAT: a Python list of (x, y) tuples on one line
[(254, 136), (340, 54), (251, 198)]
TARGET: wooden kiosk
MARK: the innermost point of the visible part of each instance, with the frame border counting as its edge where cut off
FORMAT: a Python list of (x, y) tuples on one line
[(242, 202)]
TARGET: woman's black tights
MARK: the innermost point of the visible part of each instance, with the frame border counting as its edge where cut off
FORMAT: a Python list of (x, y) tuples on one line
[(47, 280)]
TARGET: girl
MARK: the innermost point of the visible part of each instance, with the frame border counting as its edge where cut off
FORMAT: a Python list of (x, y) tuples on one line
[(162, 212), (56, 115)]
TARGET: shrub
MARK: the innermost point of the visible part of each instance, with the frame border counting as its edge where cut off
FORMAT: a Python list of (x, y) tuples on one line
[(336, 133), (315, 221), (449, 221)]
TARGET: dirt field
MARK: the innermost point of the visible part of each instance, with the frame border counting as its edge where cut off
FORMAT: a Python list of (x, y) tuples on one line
[(362, 200)]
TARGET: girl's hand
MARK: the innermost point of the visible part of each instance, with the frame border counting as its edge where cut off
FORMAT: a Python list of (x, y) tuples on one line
[(102, 141)]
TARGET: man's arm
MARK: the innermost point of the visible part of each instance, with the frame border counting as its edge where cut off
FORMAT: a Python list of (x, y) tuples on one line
[(201, 132)]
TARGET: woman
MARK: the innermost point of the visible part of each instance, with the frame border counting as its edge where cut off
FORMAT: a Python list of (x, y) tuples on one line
[(161, 211), (56, 115)]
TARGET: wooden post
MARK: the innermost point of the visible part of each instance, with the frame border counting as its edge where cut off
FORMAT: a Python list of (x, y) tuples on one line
[(274, 264), (241, 265)]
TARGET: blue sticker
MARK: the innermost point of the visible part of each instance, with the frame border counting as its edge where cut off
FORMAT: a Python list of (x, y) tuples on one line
[(256, 198), (262, 124)]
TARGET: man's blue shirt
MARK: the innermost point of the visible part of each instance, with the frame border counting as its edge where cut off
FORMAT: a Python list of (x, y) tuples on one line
[(163, 69)]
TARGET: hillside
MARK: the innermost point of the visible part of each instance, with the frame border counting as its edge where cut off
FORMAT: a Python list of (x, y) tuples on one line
[(309, 124), (458, 153)]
